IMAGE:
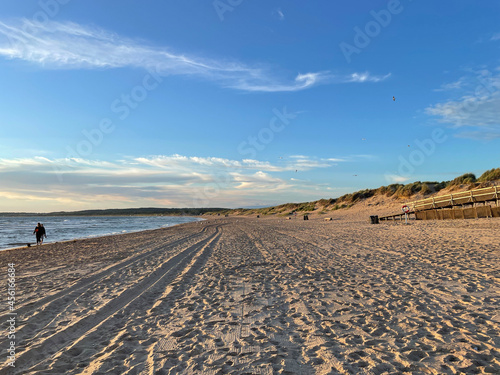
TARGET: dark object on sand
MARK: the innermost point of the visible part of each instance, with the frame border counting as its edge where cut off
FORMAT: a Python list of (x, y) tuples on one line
[(306, 217), (374, 219), (28, 245)]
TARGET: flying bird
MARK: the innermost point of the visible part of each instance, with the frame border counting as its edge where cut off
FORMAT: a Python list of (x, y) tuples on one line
[(393, 99)]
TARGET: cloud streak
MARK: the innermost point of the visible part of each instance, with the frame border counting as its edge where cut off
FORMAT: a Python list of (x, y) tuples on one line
[(57, 45)]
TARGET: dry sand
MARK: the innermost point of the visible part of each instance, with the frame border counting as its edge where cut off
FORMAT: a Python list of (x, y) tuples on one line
[(263, 296)]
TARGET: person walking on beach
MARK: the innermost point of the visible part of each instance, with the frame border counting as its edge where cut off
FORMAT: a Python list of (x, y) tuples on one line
[(39, 232), (43, 234)]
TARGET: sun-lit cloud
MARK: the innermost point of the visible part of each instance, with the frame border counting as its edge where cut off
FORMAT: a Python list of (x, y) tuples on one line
[(393, 178), (67, 45), (293, 162), (172, 180), (259, 180)]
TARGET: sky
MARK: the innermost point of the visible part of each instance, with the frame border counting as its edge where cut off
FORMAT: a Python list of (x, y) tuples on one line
[(239, 103)]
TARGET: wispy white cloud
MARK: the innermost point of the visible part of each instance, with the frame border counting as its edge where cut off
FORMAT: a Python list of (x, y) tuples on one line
[(495, 37), (469, 111), (280, 14), (303, 162), (301, 82), (366, 77), (57, 45), (476, 105), (459, 84), (482, 135)]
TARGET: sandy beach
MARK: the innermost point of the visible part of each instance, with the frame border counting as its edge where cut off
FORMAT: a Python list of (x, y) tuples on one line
[(262, 296)]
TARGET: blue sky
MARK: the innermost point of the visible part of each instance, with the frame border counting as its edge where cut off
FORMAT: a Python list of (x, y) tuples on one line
[(241, 103)]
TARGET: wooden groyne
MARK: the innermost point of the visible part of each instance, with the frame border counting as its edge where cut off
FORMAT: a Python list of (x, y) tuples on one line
[(464, 198), (472, 204)]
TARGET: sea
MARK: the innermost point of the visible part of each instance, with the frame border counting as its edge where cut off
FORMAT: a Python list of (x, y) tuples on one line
[(17, 231)]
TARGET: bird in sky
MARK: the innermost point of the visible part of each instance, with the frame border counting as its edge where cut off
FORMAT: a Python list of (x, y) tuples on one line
[(393, 98)]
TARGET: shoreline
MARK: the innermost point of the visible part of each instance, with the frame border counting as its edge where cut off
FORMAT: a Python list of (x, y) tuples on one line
[(34, 245), (265, 295)]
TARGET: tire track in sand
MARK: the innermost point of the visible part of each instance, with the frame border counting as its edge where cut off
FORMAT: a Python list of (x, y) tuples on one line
[(80, 329), (52, 305)]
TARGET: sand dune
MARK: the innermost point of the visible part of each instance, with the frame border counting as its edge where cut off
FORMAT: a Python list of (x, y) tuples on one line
[(264, 296)]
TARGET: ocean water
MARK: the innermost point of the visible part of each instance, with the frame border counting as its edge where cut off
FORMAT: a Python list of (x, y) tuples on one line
[(17, 231)]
